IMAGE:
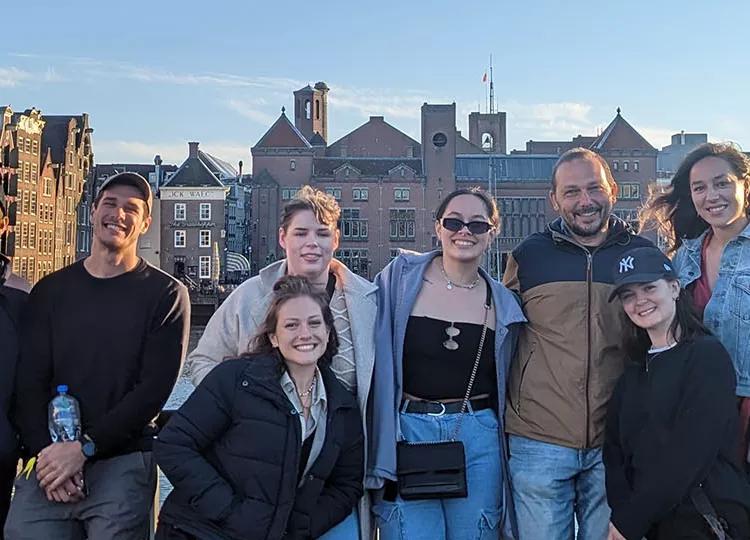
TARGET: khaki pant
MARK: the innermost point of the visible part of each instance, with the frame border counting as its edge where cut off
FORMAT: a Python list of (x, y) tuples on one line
[(118, 505)]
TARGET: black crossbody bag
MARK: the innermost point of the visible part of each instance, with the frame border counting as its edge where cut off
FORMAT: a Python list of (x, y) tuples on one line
[(437, 469)]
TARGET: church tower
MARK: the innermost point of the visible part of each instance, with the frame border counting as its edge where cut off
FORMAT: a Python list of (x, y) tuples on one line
[(311, 111)]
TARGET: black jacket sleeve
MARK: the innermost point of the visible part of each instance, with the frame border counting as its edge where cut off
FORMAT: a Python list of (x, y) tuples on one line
[(681, 454), (180, 448), (166, 345), (618, 489), (344, 487), (34, 373)]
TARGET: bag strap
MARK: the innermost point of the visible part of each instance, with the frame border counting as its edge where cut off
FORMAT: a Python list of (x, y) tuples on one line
[(464, 405), (707, 510)]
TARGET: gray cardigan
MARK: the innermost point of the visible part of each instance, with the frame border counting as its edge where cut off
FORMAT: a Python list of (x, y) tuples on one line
[(398, 286)]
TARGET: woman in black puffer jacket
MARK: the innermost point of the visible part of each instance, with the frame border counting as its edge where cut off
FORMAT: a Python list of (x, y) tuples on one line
[(269, 445)]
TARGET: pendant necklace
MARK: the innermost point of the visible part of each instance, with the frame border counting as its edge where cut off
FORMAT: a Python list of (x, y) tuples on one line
[(452, 332), (450, 284), (308, 391)]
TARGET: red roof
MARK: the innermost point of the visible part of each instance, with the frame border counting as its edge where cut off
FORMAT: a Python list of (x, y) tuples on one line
[(283, 134)]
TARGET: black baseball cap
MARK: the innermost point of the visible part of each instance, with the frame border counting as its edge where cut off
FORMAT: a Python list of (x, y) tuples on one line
[(641, 265), (128, 179)]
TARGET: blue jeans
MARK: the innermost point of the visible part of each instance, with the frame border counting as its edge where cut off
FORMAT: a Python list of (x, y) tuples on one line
[(346, 530), (477, 517), (553, 484)]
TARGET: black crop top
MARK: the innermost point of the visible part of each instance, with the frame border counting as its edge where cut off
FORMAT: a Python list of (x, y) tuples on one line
[(433, 372)]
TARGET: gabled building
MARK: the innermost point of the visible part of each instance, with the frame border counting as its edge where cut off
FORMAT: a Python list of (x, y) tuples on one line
[(46, 161), (193, 237), (633, 162), (68, 138)]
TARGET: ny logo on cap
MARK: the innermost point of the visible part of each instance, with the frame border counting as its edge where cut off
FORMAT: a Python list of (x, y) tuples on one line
[(626, 264)]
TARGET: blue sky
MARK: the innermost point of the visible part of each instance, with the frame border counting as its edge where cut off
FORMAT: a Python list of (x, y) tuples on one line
[(154, 75)]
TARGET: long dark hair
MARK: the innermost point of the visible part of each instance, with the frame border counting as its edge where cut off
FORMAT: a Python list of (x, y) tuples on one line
[(685, 326), (672, 211), (285, 289)]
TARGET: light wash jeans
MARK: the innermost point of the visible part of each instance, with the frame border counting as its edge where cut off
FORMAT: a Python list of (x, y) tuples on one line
[(554, 484), (477, 517), (346, 530)]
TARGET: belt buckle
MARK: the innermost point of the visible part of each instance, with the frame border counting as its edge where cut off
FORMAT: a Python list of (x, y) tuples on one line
[(442, 411)]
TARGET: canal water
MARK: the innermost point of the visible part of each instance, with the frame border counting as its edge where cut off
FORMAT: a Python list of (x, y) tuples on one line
[(181, 391)]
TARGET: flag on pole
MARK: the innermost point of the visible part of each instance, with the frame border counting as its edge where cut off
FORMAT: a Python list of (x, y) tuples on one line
[(484, 79)]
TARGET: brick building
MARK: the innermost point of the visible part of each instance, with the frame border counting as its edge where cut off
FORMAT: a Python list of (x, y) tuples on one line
[(45, 163), (388, 184), (192, 205)]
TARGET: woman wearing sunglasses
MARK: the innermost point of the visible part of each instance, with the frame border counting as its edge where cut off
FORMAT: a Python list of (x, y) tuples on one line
[(445, 334)]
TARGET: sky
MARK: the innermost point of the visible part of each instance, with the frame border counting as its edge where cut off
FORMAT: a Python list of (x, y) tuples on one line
[(155, 75)]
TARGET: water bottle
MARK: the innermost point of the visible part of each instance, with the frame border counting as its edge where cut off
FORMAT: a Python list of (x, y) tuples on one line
[(64, 416)]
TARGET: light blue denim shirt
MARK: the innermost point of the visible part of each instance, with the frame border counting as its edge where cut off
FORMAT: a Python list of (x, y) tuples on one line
[(727, 313)]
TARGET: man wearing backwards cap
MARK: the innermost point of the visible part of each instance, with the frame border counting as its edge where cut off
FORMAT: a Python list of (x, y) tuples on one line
[(114, 330), (13, 295)]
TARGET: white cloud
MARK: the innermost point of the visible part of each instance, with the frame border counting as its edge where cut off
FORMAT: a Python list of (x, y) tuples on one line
[(253, 109), (171, 152), (658, 137), (12, 76), (380, 102)]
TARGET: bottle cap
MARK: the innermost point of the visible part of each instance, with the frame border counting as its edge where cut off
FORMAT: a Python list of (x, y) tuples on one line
[(62, 388)]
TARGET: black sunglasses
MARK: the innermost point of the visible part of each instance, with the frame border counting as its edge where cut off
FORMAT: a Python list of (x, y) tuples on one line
[(475, 227)]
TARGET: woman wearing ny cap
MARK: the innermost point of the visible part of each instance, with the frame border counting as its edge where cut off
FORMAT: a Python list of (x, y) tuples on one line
[(670, 447)]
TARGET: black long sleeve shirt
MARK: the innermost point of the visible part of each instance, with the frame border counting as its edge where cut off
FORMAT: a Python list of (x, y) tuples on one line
[(118, 343), (672, 425)]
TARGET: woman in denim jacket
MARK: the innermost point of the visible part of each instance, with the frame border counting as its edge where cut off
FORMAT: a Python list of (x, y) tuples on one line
[(704, 217), (431, 311)]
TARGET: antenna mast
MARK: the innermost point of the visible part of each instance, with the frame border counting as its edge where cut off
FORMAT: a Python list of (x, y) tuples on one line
[(492, 89)]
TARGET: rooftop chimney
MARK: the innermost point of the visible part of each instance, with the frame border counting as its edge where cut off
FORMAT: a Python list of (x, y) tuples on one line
[(193, 149)]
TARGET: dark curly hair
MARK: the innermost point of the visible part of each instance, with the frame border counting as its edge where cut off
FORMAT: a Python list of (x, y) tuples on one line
[(285, 289)]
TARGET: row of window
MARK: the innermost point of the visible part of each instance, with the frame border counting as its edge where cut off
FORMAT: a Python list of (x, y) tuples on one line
[(626, 165), (204, 212), (400, 194), (28, 172), (352, 226), (508, 206), (629, 192), (28, 145), (356, 259), (204, 238), (26, 266)]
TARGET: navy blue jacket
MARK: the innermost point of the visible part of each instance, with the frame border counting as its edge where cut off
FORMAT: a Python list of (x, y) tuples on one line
[(13, 296), (232, 453)]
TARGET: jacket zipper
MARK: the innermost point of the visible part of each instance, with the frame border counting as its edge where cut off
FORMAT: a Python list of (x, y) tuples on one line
[(589, 280)]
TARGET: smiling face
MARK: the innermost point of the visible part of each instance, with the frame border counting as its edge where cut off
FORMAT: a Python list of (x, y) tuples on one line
[(651, 306), (718, 195), (119, 217), (462, 245), (309, 245), (301, 334), (584, 198)]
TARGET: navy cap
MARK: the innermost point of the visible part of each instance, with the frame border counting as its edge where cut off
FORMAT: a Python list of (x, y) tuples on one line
[(641, 265), (129, 179)]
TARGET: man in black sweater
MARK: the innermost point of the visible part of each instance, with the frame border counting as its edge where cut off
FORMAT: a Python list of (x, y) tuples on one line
[(113, 329), (14, 292)]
